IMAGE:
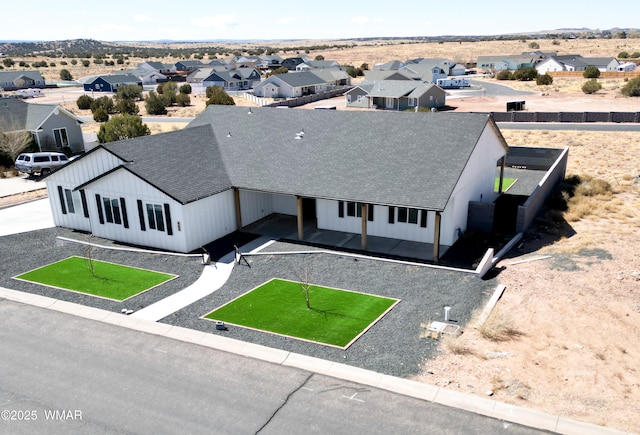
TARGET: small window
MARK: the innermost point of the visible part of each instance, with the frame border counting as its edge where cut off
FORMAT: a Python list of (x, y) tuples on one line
[(341, 209), (54, 158), (402, 214), (41, 159), (155, 217), (351, 209), (413, 216), (112, 210)]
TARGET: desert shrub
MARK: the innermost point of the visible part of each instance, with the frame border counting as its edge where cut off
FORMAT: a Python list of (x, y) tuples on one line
[(122, 127), (74, 62), (154, 104), (631, 88), (185, 89), (168, 97), (105, 103), (526, 74), (623, 55), (86, 63), (591, 72), (65, 74), (129, 92), (127, 106), (544, 79), (635, 55), (591, 86), (534, 45), (217, 95), (183, 100), (505, 75), (84, 102), (100, 115)]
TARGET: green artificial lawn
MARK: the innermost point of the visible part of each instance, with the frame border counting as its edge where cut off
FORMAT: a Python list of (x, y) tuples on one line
[(506, 183), (109, 280), (336, 317)]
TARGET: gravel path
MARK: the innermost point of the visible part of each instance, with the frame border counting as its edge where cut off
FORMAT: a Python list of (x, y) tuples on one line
[(392, 346)]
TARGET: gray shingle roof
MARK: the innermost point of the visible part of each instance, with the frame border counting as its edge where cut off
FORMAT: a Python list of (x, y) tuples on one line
[(186, 164), (18, 115), (299, 79), (404, 159)]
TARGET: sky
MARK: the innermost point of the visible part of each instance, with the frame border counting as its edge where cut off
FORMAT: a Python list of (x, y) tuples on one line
[(211, 20)]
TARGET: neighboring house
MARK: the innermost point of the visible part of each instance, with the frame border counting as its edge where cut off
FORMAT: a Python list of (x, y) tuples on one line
[(52, 127), (290, 85), (575, 62), (292, 62), (110, 83), (147, 77), (392, 65), (160, 67), (186, 66), (269, 62), (12, 80), (317, 64), (511, 63), (428, 70), (229, 80), (252, 75), (458, 69), (396, 95), (375, 75), (198, 75), (408, 176), (333, 76)]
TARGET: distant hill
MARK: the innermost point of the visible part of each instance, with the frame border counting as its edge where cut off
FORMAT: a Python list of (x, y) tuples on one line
[(87, 48)]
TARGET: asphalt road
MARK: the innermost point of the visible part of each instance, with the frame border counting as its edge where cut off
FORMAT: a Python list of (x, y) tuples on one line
[(64, 374)]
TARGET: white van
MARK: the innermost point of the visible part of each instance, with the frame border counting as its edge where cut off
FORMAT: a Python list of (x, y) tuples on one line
[(40, 163)]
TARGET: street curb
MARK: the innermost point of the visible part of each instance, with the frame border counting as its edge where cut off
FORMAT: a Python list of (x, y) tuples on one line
[(468, 402)]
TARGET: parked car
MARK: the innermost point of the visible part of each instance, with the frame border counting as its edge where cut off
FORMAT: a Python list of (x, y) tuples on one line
[(40, 163)]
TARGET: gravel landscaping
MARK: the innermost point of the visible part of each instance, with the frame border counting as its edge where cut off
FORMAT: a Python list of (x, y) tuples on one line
[(393, 345)]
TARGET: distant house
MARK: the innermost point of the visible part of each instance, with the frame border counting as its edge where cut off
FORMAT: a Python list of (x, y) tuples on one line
[(198, 75), (290, 85), (407, 176), (12, 80), (229, 80), (160, 67), (147, 77), (186, 66), (427, 70), (333, 76), (575, 62), (392, 65), (52, 127), (292, 62), (317, 64), (110, 83), (375, 75), (511, 62), (396, 95)]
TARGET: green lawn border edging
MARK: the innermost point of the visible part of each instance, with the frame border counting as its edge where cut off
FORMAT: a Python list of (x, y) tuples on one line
[(353, 340), (171, 275)]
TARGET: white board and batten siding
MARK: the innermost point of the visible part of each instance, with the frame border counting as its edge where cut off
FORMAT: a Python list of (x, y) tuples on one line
[(257, 205), (329, 219), (475, 184), (208, 219), (70, 177)]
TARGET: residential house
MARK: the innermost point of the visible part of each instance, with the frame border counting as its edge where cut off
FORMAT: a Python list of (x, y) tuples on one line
[(187, 66), (333, 76), (511, 62), (12, 80), (290, 85), (52, 127), (160, 67), (575, 62), (375, 75), (317, 64), (407, 176), (428, 70), (146, 76), (110, 83), (198, 75), (291, 63), (230, 80), (396, 95), (392, 65)]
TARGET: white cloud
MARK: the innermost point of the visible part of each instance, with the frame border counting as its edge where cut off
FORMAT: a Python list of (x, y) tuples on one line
[(216, 21), (142, 18)]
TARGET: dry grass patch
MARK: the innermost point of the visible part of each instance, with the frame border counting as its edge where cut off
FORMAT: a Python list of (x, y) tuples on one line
[(498, 327), (456, 345)]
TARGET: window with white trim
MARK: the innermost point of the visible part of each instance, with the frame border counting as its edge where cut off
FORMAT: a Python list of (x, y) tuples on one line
[(61, 137), (73, 201), (112, 210)]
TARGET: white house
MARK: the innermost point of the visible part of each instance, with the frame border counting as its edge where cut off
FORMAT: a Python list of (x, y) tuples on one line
[(407, 176), (290, 85)]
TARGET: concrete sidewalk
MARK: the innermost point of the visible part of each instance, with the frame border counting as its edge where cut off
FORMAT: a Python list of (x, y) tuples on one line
[(31, 216)]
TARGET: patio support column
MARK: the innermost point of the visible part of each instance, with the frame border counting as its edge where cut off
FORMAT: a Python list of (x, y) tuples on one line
[(300, 218), (503, 162), (363, 239), (436, 238), (236, 200)]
